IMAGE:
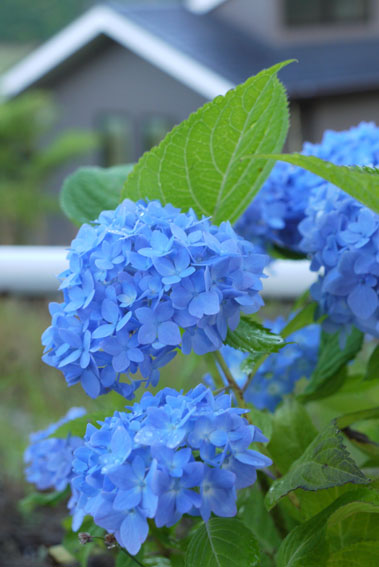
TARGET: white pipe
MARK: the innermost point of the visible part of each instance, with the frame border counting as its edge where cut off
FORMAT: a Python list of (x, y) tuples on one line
[(288, 279), (32, 270)]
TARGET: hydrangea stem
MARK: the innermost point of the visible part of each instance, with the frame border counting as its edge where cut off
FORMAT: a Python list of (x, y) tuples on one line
[(219, 359), (132, 557), (258, 364)]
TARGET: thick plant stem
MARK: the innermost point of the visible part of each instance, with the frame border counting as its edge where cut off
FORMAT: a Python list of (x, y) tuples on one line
[(228, 375)]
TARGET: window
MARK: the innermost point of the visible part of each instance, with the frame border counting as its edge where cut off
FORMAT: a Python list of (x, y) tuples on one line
[(116, 134), (154, 129), (307, 12)]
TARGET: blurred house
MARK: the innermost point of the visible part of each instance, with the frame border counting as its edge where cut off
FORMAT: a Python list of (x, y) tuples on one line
[(132, 71)]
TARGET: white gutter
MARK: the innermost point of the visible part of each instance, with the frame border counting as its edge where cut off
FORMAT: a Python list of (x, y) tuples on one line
[(32, 270)]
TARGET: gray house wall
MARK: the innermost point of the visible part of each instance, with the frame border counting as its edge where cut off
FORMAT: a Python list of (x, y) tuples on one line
[(109, 79), (117, 80), (337, 113), (266, 19)]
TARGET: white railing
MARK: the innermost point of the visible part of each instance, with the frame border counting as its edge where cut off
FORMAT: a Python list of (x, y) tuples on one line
[(32, 270)]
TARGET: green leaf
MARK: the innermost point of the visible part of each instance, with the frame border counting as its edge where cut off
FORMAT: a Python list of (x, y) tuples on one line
[(91, 190), (362, 554), (363, 185), (77, 427), (302, 319), (36, 499), (223, 543), (279, 253), (252, 511), (330, 362), (292, 432), (361, 415), (307, 544), (251, 336), (200, 164), (325, 463), (372, 372), (357, 438)]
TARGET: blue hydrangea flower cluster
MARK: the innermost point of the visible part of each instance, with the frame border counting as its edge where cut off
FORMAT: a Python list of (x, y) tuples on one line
[(279, 373), (144, 280), (342, 237), (276, 212), (49, 459), (172, 454)]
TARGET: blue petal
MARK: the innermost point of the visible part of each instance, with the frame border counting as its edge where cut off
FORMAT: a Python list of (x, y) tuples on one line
[(133, 531), (363, 301)]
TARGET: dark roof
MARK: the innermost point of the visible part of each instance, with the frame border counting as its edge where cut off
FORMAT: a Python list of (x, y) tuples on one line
[(324, 68)]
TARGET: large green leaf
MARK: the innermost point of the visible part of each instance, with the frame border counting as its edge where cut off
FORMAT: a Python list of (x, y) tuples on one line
[(322, 539), (91, 190), (292, 432), (362, 554), (251, 336), (331, 361), (359, 183), (223, 542), (325, 463), (200, 164)]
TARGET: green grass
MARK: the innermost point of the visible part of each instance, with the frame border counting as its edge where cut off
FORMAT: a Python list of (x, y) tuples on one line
[(31, 393)]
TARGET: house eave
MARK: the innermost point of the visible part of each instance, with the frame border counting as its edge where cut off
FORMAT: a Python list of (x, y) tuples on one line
[(102, 20)]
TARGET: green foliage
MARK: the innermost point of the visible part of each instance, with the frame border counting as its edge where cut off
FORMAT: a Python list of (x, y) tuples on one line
[(292, 432), (223, 542), (332, 360), (343, 534), (251, 336), (200, 163), (302, 319), (91, 190), (26, 162), (37, 499), (372, 372), (362, 184), (252, 511), (326, 462), (22, 20), (71, 542)]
